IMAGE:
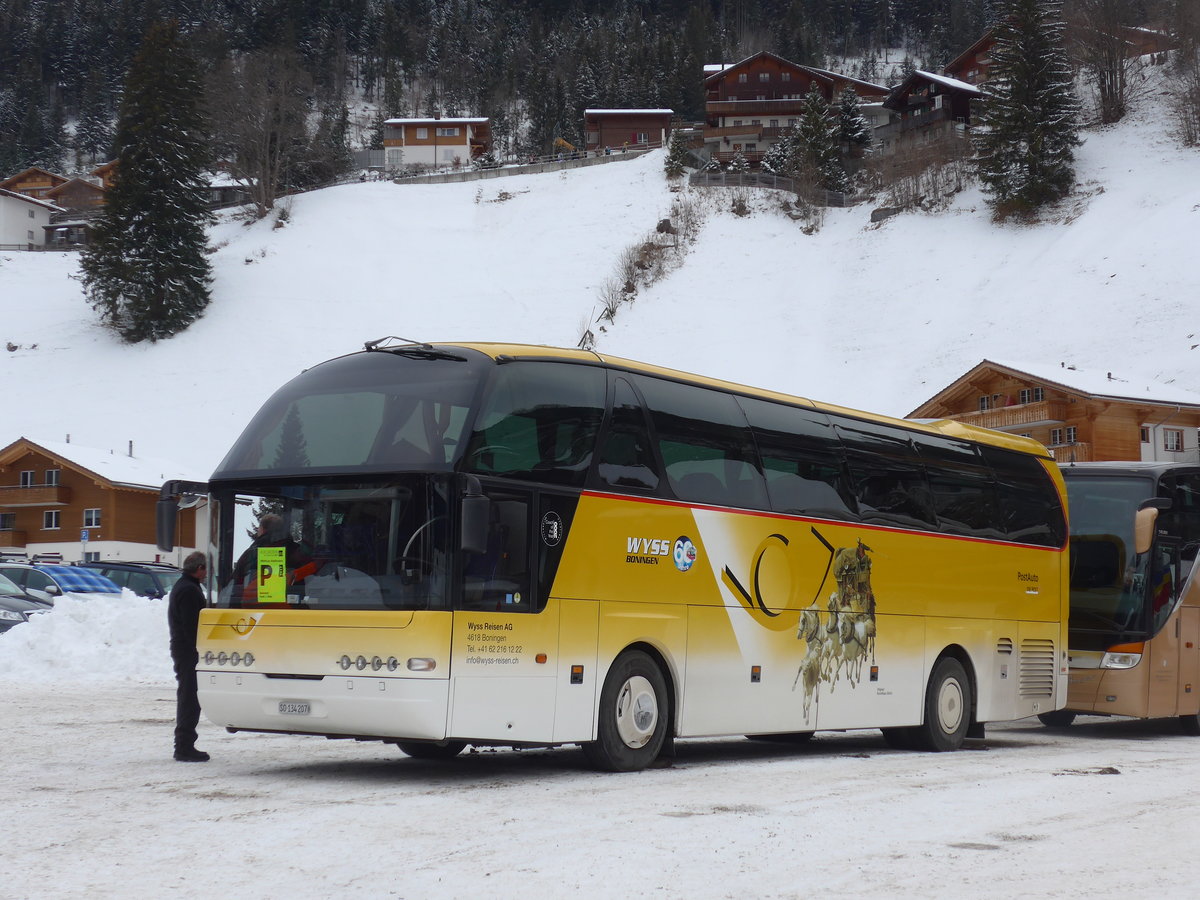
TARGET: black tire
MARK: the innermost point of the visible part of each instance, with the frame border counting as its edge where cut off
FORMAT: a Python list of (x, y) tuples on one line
[(1059, 718), (633, 716), (432, 749), (947, 708), (1190, 725), (787, 737)]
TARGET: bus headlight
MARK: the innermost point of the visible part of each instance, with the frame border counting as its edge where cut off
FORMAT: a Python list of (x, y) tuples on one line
[(1122, 656)]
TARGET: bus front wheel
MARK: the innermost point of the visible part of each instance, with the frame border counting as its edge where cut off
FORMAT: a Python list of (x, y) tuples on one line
[(947, 708), (633, 715), (432, 749)]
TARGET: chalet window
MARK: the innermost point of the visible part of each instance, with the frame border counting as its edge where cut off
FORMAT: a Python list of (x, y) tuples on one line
[(737, 122), (91, 556), (52, 476), (764, 76), (447, 132), (91, 518), (742, 78), (29, 235), (31, 213), (761, 97), (643, 138), (785, 76), (27, 478), (733, 96), (1032, 395), (1071, 434), (985, 402), (756, 121), (1173, 439), (422, 134), (51, 518), (774, 123), (1145, 432), (1056, 436), (8, 521), (751, 147)]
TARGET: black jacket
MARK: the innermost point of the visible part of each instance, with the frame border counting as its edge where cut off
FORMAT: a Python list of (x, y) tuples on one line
[(183, 617)]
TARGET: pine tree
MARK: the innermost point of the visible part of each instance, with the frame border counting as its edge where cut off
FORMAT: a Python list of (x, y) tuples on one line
[(817, 136), (739, 165), (783, 156), (677, 154), (853, 128), (146, 272), (1029, 115), (94, 132)]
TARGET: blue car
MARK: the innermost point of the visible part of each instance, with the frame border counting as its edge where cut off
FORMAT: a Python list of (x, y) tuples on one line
[(44, 582)]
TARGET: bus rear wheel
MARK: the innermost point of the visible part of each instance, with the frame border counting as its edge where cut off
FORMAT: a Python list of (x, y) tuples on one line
[(633, 715), (947, 708), (432, 749)]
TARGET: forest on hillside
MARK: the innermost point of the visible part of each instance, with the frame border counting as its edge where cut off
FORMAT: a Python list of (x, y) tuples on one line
[(531, 66)]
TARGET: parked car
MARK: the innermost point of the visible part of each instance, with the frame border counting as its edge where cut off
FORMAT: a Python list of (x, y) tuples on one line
[(51, 582), (144, 579), (16, 606)]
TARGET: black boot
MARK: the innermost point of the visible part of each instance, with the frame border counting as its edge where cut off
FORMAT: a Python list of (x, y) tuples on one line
[(190, 754)]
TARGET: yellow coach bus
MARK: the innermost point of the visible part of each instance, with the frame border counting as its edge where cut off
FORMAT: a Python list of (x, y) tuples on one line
[(525, 546), (1134, 641)]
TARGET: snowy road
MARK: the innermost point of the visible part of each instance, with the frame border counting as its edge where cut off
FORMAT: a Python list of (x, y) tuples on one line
[(93, 806)]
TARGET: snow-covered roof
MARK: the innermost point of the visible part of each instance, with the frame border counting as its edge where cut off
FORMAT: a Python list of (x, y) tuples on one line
[(34, 200), (460, 121), (637, 112), (949, 82), (118, 466), (710, 68)]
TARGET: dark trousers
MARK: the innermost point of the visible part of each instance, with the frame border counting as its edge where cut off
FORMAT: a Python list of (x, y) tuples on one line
[(187, 706)]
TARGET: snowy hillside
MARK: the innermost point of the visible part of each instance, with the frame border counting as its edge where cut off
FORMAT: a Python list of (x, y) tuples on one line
[(877, 317)]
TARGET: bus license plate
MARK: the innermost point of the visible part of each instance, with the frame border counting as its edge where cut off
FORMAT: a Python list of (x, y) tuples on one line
[(294, 708)]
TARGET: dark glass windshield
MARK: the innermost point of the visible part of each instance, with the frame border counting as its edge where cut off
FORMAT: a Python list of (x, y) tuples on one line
[(376, 411), (335, 545), (1111, 586)]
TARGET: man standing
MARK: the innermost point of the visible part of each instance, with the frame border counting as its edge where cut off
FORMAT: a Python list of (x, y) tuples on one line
[(183, 616)]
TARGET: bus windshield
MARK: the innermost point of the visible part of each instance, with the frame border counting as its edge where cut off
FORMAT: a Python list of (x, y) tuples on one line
[(1109, 582), (329, 545)]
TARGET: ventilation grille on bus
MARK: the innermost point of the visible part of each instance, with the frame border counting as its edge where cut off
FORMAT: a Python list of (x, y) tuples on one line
[(1037, 668), (1004, 645)]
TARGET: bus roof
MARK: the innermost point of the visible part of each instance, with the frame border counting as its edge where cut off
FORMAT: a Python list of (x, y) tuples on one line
[(946, 427)]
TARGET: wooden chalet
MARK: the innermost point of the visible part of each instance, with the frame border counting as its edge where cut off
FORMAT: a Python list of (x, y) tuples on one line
[(107, 173), (615, 129), (926, 108), (434, 142), (77, 194), (33, 182), (54, 495), (1080, 416), (749, 104), (973, 63)]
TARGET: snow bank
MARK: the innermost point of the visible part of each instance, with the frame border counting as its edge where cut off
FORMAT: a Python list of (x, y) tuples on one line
[(118, 640)]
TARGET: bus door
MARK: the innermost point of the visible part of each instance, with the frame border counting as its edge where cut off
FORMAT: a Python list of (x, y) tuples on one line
[(505, 662), (1165, 628)]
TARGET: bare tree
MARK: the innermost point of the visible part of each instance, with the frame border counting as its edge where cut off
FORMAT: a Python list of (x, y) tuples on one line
[(1185, 91), (259, 107), (1099, 43)]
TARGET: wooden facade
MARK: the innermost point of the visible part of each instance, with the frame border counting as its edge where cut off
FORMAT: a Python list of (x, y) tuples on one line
[(33, 182), (615, 129), (48, 499), (77, 194), (435, 142), (1079, 417), (748, 105), (973, 63), (924, 108), (107, 173)]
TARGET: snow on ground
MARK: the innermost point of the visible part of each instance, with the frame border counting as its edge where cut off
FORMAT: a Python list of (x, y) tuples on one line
[(875, 317)]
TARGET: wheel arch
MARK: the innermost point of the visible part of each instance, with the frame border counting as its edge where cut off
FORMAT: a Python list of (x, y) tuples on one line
[(668, 672), (959, 652)]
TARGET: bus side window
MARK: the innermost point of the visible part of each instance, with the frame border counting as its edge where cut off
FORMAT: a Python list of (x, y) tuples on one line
[(626, 459), (888, 477), (705, 444)]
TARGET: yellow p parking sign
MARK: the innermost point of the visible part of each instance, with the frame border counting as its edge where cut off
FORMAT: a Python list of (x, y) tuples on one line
[(272, 575)]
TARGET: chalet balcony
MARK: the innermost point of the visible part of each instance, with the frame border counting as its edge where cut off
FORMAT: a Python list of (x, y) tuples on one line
[(753, 108), (1017, 418), (927, 119), (1068, 453), (35, 495), (11, 537)]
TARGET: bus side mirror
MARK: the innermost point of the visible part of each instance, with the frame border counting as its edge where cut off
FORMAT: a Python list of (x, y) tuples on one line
[(1144, 521), (165, 511), (476, 512)]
